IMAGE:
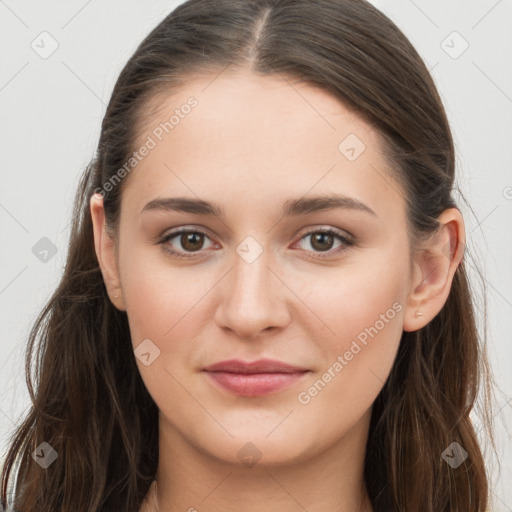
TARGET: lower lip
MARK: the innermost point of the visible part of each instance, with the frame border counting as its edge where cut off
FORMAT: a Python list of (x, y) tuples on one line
[(255, 384)]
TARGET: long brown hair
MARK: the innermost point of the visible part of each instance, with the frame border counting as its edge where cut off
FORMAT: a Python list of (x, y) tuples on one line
[(88, 399)]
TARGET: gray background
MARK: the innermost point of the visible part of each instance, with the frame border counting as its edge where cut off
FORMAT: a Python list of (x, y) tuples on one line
[(51, 111)]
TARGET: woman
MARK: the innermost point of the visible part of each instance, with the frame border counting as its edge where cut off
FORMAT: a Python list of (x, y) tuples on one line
[(316, 349)]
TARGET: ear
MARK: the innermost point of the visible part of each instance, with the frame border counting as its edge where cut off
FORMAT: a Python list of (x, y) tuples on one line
[(105, 248), (434, 266)]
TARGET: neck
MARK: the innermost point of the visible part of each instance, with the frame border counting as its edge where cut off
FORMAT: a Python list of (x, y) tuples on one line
[(190, 479)]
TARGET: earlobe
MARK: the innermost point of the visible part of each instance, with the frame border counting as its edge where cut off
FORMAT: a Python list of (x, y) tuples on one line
[(104, 246), (435, 264)]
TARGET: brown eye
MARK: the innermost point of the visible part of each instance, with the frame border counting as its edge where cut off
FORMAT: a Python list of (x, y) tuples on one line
[(191, 241), (322, 241), (184, 243)]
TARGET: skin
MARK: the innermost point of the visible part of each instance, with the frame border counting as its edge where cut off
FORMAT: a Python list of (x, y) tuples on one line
[(250, 144)]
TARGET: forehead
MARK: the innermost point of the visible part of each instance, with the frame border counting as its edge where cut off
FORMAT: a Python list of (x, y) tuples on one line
[(226, 135), (263, 104)]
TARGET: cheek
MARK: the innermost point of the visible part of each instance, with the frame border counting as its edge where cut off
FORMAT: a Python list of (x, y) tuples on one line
[(161, 304), (365, 321), (158, 297), (355, 298), (361, 311)]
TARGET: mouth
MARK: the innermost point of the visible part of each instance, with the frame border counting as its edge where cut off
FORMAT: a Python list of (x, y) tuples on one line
[(254, 378)]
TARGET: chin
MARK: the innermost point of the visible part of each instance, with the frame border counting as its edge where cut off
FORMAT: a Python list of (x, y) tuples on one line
[(252, 449)]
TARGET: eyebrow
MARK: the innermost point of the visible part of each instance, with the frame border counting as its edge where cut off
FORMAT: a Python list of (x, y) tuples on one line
[(291, 207)]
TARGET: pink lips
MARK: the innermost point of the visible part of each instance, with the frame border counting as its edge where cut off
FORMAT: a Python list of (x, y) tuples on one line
[(254, 378)]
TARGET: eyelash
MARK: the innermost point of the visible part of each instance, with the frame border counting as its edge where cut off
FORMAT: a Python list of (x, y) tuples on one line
[(345, 241)]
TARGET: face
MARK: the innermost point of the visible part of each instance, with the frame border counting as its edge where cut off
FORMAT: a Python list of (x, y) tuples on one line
[(268, 274)]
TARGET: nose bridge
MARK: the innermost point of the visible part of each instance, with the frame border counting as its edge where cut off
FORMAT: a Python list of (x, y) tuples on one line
[(251, 299), (251, 273), (251, 279)]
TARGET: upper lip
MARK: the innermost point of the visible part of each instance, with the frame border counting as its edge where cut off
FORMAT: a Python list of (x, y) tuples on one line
[(259, 366)]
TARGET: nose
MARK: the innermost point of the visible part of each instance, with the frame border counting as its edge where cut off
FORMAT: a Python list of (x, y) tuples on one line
[(254, 297)]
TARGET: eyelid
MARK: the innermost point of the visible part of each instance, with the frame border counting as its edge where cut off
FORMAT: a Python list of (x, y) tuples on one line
[(184, 229), (336, 231)]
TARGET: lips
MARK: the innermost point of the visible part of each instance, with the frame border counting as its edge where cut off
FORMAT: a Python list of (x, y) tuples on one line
[(260, 366), (254, 378)]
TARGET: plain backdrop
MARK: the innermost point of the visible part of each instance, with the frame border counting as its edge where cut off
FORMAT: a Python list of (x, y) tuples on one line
[(59, 61)]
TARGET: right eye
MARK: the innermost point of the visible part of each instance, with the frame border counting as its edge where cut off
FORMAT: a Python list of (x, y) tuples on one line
[(190, 240)]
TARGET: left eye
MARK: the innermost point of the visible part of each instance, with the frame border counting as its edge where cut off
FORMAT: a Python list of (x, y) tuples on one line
[(192, 241), (322, 240)]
